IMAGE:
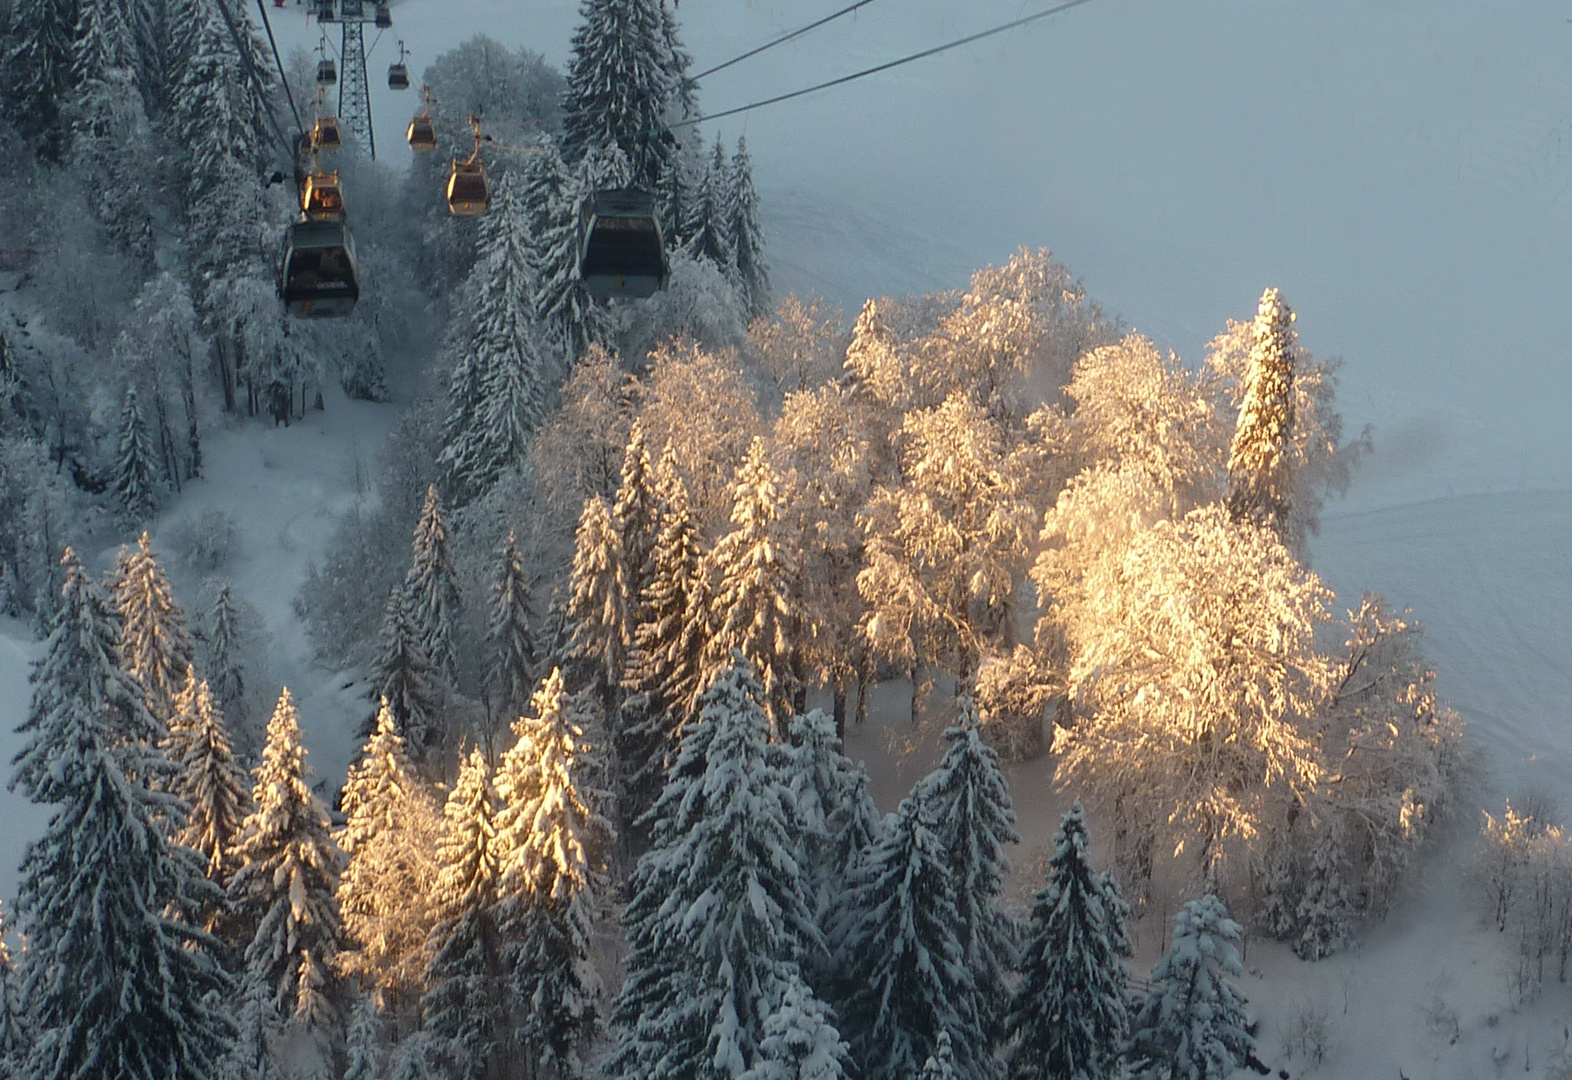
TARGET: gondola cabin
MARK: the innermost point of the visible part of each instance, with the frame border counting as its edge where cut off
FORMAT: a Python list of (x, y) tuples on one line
[(468, 191), (324, 133), (422, 134), (398, 76), (621, 251), (322, 199), (384, 17), (327, 73), (319, 277)]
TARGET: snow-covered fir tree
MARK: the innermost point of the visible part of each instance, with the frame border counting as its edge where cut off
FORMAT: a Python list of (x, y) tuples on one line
[(109, 129), (1192, 1025), (555, 843), (432, 585), (747, 236), (1070, 1014), (389, 842), (635, 515), (495, 394), (467, 1007), (208, 779), (738, 916), (573, 320), (134, 476), (284, 888), (257, 1022), (118, 984), (974, 819), (79, 683), (754, 572), (619, 86), (155, 637), (1259, 461), (512, 644), (903, 973), (710, 226), (226, 667), (404, 677)]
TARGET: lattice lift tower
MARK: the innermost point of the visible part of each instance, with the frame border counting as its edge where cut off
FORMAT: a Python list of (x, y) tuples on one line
[(354, 89)]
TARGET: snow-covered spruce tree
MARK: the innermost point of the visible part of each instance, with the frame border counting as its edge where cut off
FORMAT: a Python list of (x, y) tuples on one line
[(903, 975), (974, 819), (78, 680), (594, 602), (800, 1041), (432, 585), (619, 86), (155, 637), (13, 1010), (467, 1008), (635, 515), (834, 817), (1325, 911), (389, 841), (209, 780), (754, 571), (363, 1042), (117, 983), (512, 644), (941, 1063), (133, 479), (226, 668), (556, 844), (1070, 1011), (37, 69), (1258, 463), (747, 236), (710, 224), (573, 320), (737, 918), (289, 868), (494, 396), (404, 677), (1192, 1025)]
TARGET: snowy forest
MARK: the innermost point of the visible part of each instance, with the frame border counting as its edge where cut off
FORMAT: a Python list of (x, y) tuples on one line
[(626, 576)]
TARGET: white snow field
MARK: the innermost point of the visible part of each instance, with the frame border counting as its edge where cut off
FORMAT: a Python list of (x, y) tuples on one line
[(1402, 170)]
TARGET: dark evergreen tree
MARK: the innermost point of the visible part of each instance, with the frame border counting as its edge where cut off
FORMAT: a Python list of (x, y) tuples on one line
[(208, 779), (974, 820), (738, 917), (225, 666), (903, 974), (1069, 1014), (284, 888), (364, 1046), (38, 67), (432, 585), (133, 478), (620, 86), (155, 636), (467, 1008), (512, 674), (494, 397), (1192, 1025), (941, 1063), (747, 236), (1325, 911), (404, 678), (710, 227), (118, 984)]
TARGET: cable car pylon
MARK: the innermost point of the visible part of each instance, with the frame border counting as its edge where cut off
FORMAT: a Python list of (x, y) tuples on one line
[(354, 88)]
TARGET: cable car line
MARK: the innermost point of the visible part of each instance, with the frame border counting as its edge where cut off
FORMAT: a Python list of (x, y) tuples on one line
[(282, 78), (256, 79), (780, 40), (777, 99)]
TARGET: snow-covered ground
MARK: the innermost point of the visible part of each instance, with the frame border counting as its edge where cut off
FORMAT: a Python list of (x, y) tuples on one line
[(1402, 170)]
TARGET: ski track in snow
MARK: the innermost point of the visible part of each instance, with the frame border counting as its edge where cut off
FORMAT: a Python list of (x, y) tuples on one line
[(1403, 171)]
